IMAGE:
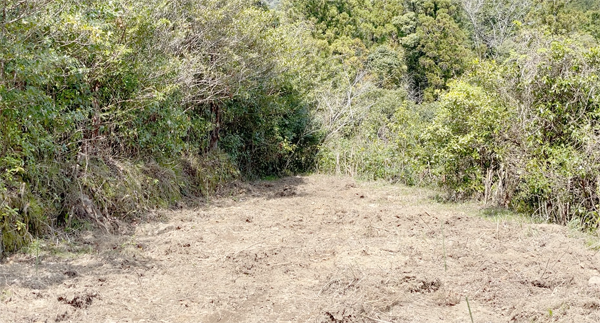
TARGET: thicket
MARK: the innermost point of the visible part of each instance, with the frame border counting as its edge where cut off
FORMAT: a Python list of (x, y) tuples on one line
[(490, 99), (110, 108)]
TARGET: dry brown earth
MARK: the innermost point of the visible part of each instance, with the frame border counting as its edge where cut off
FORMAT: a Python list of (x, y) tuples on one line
[(312, 249)]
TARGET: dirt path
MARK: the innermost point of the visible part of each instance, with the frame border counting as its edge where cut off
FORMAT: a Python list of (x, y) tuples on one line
[(313, 249)]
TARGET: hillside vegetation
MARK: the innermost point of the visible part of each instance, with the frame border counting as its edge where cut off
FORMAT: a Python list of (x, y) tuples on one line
[(110, 108)]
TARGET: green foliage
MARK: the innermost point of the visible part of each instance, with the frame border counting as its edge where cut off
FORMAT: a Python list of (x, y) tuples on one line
[(441, 51), (388, 66), (386, 144), (527, 142), (110, 108), (341, 21), (468, 132), (518, 132), (359, 31), (591, 26), (562, 174)]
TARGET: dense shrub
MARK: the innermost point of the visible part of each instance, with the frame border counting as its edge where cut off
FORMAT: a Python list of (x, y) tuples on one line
[(526, 137), (468, 133), (110, 108)]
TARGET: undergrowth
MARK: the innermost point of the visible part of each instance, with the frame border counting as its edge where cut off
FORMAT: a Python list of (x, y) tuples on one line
[(108, 109), (99, 190)]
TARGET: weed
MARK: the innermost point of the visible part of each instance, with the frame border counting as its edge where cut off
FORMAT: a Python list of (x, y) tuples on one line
[(497, 212), (469, 307), (593, 243), (35, 247), (270, 178)]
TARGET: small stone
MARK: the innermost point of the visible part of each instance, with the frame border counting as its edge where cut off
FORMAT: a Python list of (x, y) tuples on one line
[(594, 281)]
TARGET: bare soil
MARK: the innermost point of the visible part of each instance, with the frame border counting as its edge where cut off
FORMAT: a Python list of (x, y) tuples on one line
[(312, 249)]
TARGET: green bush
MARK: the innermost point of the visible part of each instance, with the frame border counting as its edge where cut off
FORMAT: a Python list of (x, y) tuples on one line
[(561, 179), (468, 133), (111, 108), (526, 142)]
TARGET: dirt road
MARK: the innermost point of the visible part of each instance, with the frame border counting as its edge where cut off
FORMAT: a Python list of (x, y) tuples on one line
[(312, 249)]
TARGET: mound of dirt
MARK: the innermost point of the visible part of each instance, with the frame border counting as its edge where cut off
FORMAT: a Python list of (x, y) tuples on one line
[(313, 249)]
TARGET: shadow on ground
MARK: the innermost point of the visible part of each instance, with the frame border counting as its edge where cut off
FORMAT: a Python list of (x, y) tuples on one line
[(62, 264)]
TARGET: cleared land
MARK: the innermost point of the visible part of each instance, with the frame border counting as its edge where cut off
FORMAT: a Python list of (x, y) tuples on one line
[(312, 249)]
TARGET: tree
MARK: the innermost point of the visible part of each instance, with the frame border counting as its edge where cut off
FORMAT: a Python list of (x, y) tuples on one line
[(436, 48), (558, 17), (494, 21)]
